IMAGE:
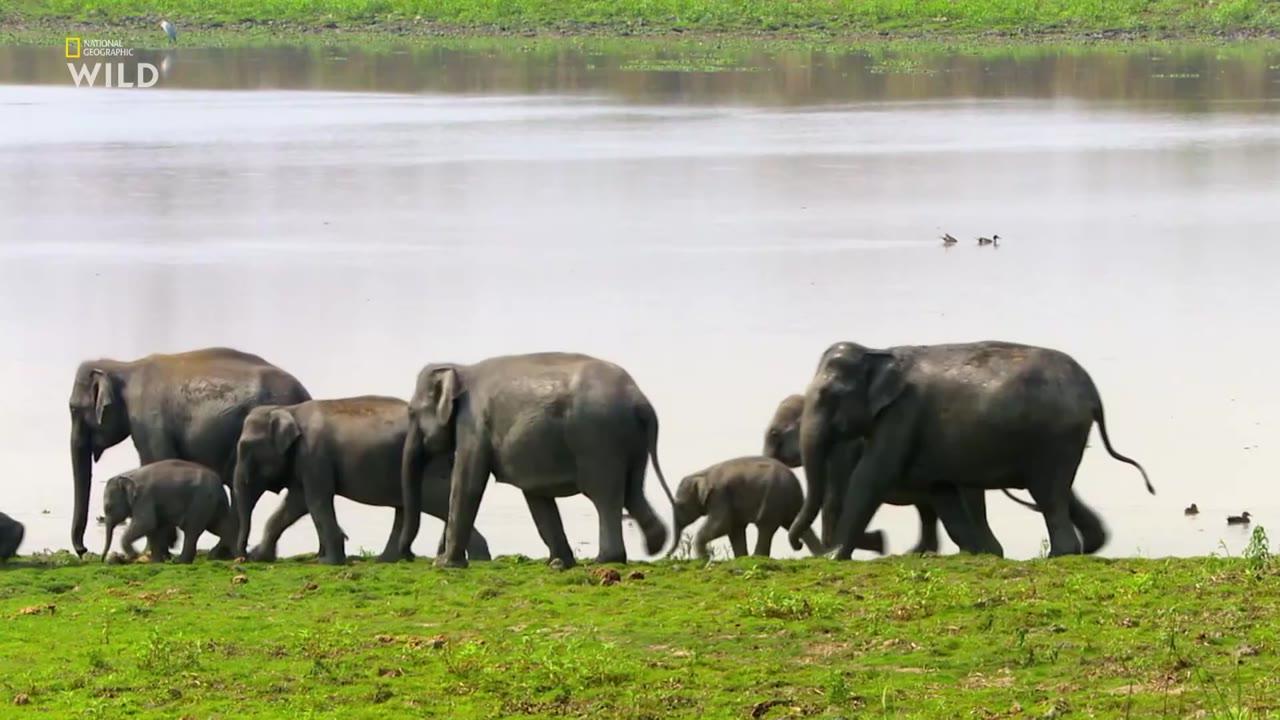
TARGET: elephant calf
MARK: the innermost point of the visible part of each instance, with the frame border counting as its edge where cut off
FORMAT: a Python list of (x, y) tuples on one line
[(319, 449), (745, 491), (11, 532), (162, 497)]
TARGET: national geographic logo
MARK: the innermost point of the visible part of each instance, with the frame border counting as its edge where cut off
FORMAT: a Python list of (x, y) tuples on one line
[(117, 75)]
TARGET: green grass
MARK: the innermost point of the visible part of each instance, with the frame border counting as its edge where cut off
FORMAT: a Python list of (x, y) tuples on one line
[(946, 18), (905, 637)]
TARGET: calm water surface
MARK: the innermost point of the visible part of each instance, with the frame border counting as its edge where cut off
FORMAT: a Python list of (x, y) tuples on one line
[(711, 221)]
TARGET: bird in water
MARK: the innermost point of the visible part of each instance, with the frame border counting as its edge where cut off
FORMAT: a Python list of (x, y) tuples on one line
[(1191, 510), (169, 30), (993, 240), (1241, 519), (948, 240)]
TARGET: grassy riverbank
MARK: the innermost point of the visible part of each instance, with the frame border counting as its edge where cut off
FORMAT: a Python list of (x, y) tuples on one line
[(993, 19), (902, 637)]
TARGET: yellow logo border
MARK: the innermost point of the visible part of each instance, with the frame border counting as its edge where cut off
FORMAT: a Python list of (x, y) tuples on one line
[(77, 44)]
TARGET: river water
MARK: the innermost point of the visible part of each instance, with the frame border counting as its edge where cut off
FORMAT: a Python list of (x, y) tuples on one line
[(710, 218)]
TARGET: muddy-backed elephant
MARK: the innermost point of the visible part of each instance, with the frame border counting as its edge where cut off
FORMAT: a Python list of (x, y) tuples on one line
[(940, 418), (11, 532), (315, 450), (782, 442), (162, 497), (553, 425), (744, 491), (188, 406)]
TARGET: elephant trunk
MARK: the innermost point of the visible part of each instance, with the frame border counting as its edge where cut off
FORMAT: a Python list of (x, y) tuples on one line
[(111, 531), (245, 494), (814, 447), (412, 465), (82, 473)]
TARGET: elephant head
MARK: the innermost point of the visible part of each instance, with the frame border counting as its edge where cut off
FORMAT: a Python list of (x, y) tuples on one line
[(264, 457), (782, 438), (433, 411), (11, 532), (99, 420), (690, 504), (851, 387), (117, 505)]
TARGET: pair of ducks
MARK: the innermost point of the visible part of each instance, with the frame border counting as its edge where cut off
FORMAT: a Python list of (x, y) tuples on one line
[(1241, 519), (948, 240)]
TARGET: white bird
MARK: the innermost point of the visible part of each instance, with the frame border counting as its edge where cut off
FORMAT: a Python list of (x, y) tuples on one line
[(169, 30)]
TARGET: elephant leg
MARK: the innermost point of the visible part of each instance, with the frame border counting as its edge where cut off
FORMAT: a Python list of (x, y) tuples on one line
[(319, 497), (945, 500), (716, 525), (655, 533), (389, 552), (604, 481), (928, 530), (764, 539), (291, 509), (546, 515), (1093, 534), (862, 499), (190, 536), (225, 548), (478, 547), (609, 512), (466, 490), (738, 540), (974, 501), (1055, 505)]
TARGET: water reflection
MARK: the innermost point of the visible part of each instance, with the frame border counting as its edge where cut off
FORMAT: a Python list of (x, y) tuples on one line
[(1188, 77)]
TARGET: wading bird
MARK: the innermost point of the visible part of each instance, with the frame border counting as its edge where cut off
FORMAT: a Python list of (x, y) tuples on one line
[(947, 240), (169, 30)]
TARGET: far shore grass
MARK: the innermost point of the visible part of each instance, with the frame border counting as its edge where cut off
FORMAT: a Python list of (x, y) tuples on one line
[(986, 20), (901, 637)]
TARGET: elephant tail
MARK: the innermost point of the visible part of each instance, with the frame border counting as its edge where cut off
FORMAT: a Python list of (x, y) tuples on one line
[(649, 421), (1106, 441), (1019, 500)]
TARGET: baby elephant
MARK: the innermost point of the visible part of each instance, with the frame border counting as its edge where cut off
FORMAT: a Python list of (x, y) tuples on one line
[(163, 496), (740, 492), (11, 532)]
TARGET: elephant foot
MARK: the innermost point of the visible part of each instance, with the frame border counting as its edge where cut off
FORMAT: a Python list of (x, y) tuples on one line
[(924, 549), (873, 541), (332, 559), (603, 559), (390, 556), (261, 554), (561, 563), (221, 552), (457, 563)]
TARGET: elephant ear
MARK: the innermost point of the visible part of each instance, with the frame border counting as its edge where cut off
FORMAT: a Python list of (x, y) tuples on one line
[(103, 391), (284, 430), (447, 389), (703, 489), (886, 380)]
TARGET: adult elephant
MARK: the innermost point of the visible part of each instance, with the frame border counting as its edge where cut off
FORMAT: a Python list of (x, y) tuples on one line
[(553, 425), (940, 418), (186, 406), (315, 450), (782, 443)]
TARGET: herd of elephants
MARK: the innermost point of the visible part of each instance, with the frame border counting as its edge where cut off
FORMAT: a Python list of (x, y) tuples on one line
[(931, 426)]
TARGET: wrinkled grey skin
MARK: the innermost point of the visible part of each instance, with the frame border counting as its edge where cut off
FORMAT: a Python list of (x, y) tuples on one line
[(187, 406), (938, 418), (736, 493), (321, 448), (553, 425), (11, 532), (162, 497), (782, 442)]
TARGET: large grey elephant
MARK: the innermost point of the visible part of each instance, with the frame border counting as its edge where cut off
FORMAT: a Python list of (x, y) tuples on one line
[(321, 448), (11, 532), (782, 442), (161, 497), (744, 491), (940, 418), (187, 406), (552, 424)]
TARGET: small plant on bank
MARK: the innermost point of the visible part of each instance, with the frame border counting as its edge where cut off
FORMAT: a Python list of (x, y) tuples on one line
[(1257, 554)]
